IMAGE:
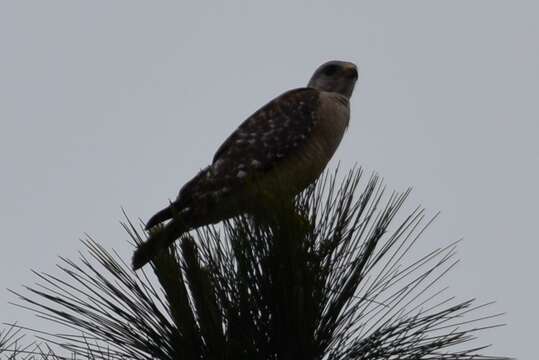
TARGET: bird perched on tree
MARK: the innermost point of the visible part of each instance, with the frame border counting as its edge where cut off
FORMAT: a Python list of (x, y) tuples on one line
[(279, 150)]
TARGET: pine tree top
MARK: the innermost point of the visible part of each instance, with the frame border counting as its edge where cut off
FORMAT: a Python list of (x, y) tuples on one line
[(325, 277)]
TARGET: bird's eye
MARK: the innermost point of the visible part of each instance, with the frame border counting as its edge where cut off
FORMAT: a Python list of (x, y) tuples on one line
[(330, 70)]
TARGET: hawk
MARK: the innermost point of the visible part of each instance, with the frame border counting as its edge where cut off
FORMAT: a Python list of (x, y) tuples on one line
[(283, 147)]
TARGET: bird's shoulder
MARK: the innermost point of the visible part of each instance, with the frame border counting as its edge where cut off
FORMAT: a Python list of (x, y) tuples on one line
[(260, 143), (282, 123)]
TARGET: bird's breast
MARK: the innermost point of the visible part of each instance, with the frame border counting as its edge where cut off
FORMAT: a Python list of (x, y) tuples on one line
[(306, 164), (333, 121)]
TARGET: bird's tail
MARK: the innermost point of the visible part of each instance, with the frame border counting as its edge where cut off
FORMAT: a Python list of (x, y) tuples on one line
[(161, 237), (161, 216)]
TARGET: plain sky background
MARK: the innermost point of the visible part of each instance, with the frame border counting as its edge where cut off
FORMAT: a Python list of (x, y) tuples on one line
[(105, 104)]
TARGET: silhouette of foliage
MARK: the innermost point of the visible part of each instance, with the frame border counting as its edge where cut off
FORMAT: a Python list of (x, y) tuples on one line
[(328, 277)]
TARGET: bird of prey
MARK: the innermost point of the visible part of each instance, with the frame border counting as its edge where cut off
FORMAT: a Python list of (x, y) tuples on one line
[(283, 147)]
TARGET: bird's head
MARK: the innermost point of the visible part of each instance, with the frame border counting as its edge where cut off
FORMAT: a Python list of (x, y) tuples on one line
[(335, 76)]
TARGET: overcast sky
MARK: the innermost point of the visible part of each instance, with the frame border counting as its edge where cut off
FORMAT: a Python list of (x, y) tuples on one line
[(107, 104)]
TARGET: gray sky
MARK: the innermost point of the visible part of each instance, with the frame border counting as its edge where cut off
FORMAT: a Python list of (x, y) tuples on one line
[(117, 103)]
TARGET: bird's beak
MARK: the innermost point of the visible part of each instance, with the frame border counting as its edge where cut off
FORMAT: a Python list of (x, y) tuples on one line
[(350, 71)]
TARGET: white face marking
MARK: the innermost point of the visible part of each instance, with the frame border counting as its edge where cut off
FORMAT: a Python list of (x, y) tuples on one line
[(256, 163)]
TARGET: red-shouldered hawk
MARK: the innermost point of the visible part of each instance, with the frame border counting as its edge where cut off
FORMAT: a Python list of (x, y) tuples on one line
[(285, 145)]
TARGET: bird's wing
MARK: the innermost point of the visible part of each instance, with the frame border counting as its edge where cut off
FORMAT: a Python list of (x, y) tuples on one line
[(271, 133), (259, 144)]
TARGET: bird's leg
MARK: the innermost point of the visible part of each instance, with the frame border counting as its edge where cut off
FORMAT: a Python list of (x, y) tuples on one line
[(281, 215)]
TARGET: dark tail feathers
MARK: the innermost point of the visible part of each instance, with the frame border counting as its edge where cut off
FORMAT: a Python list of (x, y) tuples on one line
[(158, 218), (159, 240)]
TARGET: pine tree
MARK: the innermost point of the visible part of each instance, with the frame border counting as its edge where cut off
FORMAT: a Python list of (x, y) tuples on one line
[(327, 277)]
